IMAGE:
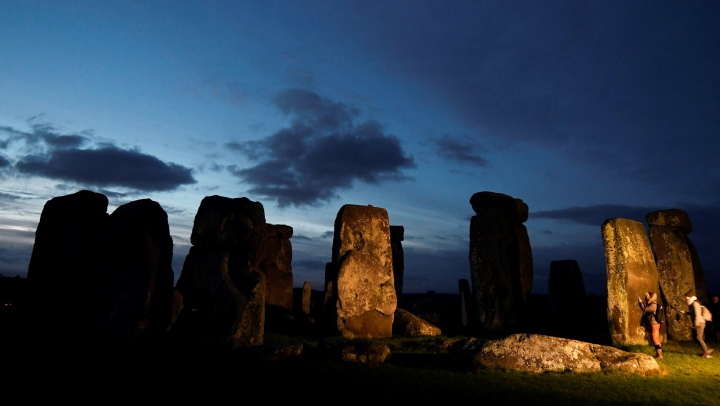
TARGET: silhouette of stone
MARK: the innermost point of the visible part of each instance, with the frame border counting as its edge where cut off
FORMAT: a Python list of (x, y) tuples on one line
[(675, 266), (500, 260), (306, 298), (397, 235), (222, 284), (567, 298), (177, 306), (408, 324), (135, 277), (361, 351), (63, 266), (631, 272), (539, 354), (277, 266), (465, 302), (361, 296)]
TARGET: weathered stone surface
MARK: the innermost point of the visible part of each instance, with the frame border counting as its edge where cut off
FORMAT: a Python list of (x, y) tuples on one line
[(361, 298), (222, 284), (277, 266), (538, 353), (135, 277), (306, 298), (361, 351), (410, 325), (566, 292), (500, 260), (631, 272), (280, 351), (668, 229), (63, 266), (397, 235)]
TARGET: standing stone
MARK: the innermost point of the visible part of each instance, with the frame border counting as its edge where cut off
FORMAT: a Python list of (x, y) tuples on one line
[(222, 284), (277, 266), (675, 266), (397, 235), (63, 266), (135, 278), (631, 272), (465, 302), (500, 260), (362, 299), (567, 299), (306, 298)]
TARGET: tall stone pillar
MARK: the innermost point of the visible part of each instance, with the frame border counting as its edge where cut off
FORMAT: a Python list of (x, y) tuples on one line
[(277, 266), (567, 300), (397, 235), (676, 267), (360, 291), (631, 272), (222, 283), (500, 260)]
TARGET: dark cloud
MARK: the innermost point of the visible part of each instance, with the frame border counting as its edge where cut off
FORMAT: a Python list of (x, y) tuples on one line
[(8, 196), (4, 162), (322, 151), (301, 237), (595, 215), (463, 150), (109, 166), (42, 133), (328, 234), (620, 85)]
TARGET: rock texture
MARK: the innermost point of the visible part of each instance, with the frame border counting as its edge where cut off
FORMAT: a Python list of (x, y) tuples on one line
[(361, 300), (566, 296), (135, 279), (675, 266), (500, 260), (277, 266), (538, 353), (397, 235), (410, 325), (63, 266), (222, 284), (631, 272), (361, 351)]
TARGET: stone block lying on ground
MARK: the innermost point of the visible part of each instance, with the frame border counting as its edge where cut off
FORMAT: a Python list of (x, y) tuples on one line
[(539, 353), (410, 325), (362, 351)]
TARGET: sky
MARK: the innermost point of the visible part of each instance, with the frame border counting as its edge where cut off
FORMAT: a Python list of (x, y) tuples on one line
[(584, 110)]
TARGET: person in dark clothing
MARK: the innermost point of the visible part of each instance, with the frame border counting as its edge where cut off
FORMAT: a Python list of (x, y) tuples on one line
[(714, 307), (650, 308), (695, 311)]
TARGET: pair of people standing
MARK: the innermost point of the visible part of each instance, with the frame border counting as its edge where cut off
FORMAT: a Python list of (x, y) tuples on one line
[(695, 311)]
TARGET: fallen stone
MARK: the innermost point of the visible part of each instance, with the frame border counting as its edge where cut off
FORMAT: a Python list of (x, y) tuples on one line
[(361, 351), (410, 325), (539, 353), (280, 351)]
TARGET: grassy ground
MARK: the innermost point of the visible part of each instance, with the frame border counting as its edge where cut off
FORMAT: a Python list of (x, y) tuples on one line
[(421, 369)]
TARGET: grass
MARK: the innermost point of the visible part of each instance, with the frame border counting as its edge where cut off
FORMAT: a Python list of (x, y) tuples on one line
[(420, 370)]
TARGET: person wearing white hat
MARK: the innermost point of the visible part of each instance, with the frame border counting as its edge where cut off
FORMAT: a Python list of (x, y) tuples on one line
[(695, 311)]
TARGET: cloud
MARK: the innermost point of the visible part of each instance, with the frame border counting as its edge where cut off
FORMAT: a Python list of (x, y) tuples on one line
[(109, 166), (4, 162), (328, 234), (464, 150), (624, 88), (301, 237), (321, 152), (595, 215)]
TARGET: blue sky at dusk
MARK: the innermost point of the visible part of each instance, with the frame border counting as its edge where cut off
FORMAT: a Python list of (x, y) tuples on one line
[(584, 110)]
